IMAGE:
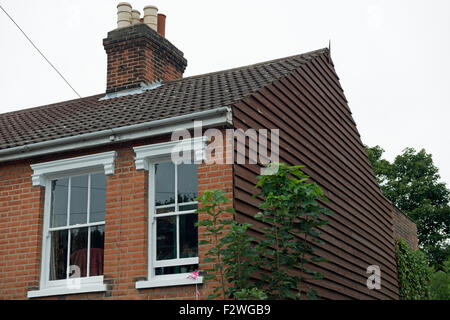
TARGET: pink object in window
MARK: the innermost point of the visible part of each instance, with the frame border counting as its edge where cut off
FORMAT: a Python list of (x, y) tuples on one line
[(193, 275), (79, 258)]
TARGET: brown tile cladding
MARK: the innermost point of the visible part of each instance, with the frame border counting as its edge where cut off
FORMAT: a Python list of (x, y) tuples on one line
[(317, 131)]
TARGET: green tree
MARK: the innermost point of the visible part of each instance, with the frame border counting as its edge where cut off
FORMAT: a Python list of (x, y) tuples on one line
[(440, 283), (411, 182), (213, 206), (231, 251), (292, 211), (380, 166), (240, 258)]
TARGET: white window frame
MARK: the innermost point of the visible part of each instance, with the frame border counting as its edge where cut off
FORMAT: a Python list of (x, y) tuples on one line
[(43, 175), (146, 158)]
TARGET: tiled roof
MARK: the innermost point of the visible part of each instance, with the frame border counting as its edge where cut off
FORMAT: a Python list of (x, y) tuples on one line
[(173, 98)]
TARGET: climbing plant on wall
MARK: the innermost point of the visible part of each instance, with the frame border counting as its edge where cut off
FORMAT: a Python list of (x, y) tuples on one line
[(413, 272)]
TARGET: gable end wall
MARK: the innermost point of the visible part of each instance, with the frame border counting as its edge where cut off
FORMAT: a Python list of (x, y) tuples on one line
[(317, 130)]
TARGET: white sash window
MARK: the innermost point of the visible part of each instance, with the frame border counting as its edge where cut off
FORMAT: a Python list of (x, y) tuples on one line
[(74, 224), (173, 237)]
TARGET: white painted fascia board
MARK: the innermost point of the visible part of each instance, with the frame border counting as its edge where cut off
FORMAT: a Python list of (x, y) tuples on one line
[(145, 153), (102, 161), (209, 118)]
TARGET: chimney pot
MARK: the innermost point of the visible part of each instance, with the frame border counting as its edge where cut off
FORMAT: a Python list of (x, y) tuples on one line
[(162, 24), (123, 14), (138, 53), (151, 17), (135, 17)]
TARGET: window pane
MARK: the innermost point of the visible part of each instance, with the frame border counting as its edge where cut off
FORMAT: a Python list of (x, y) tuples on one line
[(166, 238), (189, 207), (98, 197), (164, 184), (187, 183), (59, 203), (165, 210), (78, 252), (97, 247), (78, 200), (58, 255), (176, 270), (188, 236)]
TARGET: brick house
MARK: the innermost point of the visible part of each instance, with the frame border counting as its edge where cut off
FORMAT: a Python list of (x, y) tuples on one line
[(92, 207)]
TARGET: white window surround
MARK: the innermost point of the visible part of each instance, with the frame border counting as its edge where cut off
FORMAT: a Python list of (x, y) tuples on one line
[(70, 287), (66, 167), (146, 157), (43, 175), (148, 154), (171, 280)]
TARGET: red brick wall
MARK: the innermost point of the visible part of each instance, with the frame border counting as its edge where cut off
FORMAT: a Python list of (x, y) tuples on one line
[(405, 228), (126, 232), (211, 177), (21, 214), (131, 64), (140, 55)]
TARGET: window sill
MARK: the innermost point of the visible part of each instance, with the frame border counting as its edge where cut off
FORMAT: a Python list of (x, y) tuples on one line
[(58, 291), (168, 281)]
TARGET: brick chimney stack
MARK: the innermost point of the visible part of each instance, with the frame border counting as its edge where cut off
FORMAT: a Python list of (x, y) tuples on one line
[(137, 54)]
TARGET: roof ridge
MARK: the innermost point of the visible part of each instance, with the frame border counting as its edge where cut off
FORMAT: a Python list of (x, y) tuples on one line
[(266, 63), (174, 98), (318, 51)]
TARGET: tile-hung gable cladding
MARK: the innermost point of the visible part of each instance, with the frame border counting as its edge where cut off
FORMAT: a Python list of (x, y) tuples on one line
[(317, 131)]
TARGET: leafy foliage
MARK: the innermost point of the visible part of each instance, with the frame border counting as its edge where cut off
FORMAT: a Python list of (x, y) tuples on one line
[(239, 256), (212, 205), (380, 166), (292, 212), (438, 255), (413, 272), (411, 182), (440, 283), (250, 294), (232, 251)]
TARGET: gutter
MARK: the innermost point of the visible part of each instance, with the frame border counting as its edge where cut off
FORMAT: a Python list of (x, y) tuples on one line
[(209, 118)]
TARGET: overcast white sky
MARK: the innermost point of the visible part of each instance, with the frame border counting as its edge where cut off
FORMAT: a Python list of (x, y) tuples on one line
[(392, 56)]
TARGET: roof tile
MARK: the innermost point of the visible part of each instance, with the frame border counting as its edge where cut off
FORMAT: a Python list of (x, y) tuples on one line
[(173, 98)]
